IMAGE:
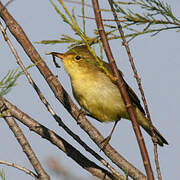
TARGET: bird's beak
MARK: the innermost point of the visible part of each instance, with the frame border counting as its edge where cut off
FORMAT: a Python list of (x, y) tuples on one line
[(56, 54)]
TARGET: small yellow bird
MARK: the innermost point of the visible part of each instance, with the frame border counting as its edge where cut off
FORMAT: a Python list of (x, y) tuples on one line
[(97, 93)]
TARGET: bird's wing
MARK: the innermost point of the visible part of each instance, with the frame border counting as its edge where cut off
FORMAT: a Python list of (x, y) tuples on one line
[(134, 97), (130, 92)]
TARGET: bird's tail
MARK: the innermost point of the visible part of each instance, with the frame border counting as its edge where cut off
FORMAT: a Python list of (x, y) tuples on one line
[(143, 121), (160, 139)]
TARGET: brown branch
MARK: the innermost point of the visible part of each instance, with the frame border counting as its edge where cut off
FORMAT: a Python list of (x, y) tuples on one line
[(64, 98), (56, 140), (42, 175), (154, 139), (122, 89)]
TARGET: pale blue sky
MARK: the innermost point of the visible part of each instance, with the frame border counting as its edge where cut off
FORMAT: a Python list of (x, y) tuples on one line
[(157, 61)]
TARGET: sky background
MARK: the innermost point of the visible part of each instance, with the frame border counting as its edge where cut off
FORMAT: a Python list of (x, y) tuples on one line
[(157, 62)]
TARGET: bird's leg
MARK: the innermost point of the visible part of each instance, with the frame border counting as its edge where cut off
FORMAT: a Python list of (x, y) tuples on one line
[(107, 139)]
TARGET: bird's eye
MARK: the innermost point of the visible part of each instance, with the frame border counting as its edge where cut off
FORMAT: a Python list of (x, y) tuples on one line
[(78, 57)]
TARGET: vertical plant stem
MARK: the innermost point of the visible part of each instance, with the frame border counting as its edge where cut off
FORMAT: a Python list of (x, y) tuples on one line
[(154, 139), (123, 91)]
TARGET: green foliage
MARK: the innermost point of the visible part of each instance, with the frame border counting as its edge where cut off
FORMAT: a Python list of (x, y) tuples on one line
[(9, 81), (71, 20), (137, 17), (152, 16), (2, 174), (69, 40)]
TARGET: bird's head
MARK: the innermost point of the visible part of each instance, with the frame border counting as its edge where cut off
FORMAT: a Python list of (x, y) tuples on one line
[(77, 60)]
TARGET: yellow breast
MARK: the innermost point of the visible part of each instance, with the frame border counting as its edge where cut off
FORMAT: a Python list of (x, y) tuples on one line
[(99, 96)]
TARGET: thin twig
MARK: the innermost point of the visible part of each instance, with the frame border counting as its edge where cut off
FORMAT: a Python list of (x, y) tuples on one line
[(148, 169), (27, 171), (87, 5), (92, 18), (79, 3)]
